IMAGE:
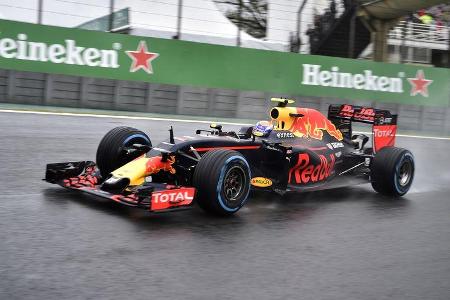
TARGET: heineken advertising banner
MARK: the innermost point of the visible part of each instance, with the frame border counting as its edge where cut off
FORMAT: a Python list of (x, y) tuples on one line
[(39, 48)]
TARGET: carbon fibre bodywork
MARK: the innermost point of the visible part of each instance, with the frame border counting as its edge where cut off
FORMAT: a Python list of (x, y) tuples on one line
[(304, 151)]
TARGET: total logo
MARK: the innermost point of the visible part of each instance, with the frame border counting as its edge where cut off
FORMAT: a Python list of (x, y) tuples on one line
[(175, 197), (70, 53), (383, 133), (172, 198)]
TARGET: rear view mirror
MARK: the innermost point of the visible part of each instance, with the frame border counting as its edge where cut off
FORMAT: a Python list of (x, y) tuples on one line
[(216, 126)]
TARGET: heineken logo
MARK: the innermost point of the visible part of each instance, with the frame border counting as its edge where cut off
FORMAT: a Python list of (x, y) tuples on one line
[(66, 53), (419, 85), (368, 81), (142, 59), (72, 54)]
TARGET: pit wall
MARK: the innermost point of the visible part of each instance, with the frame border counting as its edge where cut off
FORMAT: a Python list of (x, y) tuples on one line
[(83, 92)]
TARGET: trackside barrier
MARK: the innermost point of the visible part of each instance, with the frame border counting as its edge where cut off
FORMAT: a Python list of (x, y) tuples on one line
[(72, 91)]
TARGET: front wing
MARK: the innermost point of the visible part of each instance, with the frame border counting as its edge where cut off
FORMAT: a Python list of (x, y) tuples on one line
[(84, 176)]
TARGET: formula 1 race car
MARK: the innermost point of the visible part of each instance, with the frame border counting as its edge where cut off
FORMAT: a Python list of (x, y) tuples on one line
[(299, 149)]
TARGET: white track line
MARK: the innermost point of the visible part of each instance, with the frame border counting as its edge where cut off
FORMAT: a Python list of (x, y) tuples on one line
[(177, 120), (412, 136), (114, 117)]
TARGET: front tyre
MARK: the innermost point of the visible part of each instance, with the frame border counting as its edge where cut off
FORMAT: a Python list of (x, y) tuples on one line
[(392, 171), (222, 179), (110, 151)]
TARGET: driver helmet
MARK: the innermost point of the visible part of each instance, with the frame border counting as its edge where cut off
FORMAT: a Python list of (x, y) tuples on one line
[(262, 128)]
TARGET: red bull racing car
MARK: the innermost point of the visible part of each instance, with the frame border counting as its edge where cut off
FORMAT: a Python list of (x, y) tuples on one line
[(298, 149)]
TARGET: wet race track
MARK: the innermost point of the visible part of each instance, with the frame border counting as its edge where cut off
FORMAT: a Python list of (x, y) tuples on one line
[(349, 243)]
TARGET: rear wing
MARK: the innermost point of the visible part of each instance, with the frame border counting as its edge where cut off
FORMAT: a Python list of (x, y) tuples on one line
[(384, 124)]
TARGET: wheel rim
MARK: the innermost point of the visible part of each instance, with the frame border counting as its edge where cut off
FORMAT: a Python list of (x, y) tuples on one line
[(233, 186), (405, 173), (137, 138), (123, 158)]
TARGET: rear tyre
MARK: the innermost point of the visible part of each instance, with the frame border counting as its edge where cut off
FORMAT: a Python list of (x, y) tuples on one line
[(110, 151), (392, 171), (222, 179)]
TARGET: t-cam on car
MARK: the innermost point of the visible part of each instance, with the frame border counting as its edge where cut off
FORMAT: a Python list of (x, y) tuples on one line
[(297, 149)]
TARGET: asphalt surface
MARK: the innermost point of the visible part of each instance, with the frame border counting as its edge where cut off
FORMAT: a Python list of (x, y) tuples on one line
[(348, 243)]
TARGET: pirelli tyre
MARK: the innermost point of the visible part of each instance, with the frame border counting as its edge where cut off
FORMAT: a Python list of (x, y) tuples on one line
[(222, 179), (110, 151), (392, 171)]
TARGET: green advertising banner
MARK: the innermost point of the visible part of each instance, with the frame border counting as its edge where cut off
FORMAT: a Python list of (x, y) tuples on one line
[(39, 48)]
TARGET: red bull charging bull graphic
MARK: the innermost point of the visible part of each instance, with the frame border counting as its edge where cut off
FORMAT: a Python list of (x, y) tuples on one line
[(313, 124), (303, 122)]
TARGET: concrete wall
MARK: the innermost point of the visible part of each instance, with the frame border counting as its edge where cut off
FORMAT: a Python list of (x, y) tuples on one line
[(71, 91)]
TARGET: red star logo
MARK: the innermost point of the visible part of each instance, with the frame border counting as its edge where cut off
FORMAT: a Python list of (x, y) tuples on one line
[(141, 58), (419, 85)]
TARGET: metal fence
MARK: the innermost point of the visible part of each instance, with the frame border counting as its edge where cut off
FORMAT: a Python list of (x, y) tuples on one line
[(200, 20), (285, 22), (415, 34)]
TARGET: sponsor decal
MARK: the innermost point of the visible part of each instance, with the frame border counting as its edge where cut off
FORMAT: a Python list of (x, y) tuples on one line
[(172, 198), (365, 114), (362, 114), (312, 125), (305, 172), (70, 53), (383, 120), (377, 132), (335, 145), (261, 182), (284, 135), (383, 136), (347, 111)]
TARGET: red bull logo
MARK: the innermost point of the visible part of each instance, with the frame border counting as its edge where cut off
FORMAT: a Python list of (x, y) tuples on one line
[(305, 172), (312, 124), (360, 114)]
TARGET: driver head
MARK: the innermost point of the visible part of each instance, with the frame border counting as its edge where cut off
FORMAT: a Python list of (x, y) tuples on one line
[(262, 129)]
